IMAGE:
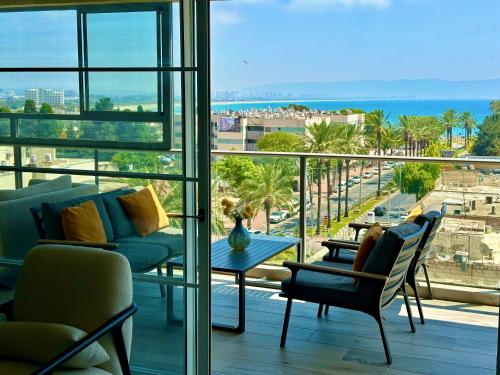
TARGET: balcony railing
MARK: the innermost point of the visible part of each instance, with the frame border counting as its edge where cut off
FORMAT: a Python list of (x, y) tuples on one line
[(466, 251)]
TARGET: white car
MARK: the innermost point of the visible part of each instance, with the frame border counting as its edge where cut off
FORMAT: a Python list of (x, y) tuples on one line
[(376, 171), (368, 174), (277, 216), (356, 179)]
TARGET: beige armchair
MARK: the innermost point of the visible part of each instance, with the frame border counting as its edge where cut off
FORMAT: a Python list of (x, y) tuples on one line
[(71, 314)]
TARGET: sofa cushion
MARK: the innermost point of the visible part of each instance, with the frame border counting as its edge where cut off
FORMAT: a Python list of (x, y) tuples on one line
[(83, 223), (39, 342), (52, 221), (122, 225), (59, 183), (143, 257), (145, 210), (322, 287), (387, 248), (171, 239)]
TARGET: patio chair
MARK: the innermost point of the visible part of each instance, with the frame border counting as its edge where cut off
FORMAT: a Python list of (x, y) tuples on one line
[(71, 313), (341, 251), (377, 285)]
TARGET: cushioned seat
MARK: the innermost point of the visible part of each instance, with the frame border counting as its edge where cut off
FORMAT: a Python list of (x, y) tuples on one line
[(143, 257), (344, 256), (313, 285), (20, 368), (168, 238)]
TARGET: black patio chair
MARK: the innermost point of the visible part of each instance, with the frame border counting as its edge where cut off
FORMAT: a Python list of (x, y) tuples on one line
[(345, 251), (376, 286)]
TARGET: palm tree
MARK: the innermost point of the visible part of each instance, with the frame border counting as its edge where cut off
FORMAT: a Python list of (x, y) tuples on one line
[(468, 124), (319, 138), (269, 187), (376, 121), (406, 127), (450, 121), (350, 139)]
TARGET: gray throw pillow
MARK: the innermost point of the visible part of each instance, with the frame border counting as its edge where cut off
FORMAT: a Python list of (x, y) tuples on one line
[(59, 183)]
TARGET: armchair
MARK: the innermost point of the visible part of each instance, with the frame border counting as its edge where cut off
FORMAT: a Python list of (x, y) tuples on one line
[(345, 251), (76, 288), (378, 284)]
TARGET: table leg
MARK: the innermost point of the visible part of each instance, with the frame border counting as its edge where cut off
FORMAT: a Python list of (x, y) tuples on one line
[(240, 327)]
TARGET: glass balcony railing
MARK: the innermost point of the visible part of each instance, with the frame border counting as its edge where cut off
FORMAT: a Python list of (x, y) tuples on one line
[(315, 197)]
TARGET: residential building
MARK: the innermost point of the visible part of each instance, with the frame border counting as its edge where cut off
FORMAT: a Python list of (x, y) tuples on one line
[(40, 96)]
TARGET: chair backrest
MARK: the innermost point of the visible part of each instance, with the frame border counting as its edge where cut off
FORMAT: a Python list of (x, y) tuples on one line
[(398, 272), (434, 218), (75, 286)]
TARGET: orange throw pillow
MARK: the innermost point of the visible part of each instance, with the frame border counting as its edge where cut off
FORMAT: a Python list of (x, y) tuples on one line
[(145, 211), (365, 247), (83, 223)]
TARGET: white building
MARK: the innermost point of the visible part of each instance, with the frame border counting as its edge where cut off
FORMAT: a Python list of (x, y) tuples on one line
[(40, 96)]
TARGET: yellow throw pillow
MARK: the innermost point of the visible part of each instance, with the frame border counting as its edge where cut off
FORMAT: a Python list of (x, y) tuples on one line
[(365, 247), (40, 342), (83, 223), (145, 211)]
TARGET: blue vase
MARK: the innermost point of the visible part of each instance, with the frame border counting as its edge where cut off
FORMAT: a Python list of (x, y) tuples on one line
[(239, 238)]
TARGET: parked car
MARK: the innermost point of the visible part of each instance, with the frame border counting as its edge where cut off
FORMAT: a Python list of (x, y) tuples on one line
[(387, 166), (277, 216), (368, 174), (356, 179), (350, 182), (376, 171), (343, 186), (380, 211), (287, 213)]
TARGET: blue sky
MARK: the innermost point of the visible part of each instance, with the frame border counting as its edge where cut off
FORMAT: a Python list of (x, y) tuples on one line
[(267, 41)]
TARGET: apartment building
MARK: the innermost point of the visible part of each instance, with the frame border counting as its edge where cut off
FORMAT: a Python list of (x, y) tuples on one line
[(40, 96)]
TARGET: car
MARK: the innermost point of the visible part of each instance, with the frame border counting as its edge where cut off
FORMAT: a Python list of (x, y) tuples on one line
[(368, 174), (343, 186), (356, 179), (277, 217), (380, 211), (376, 171), (254, 231), (350, 182), (387, 166), (287, 213), (308, 204)]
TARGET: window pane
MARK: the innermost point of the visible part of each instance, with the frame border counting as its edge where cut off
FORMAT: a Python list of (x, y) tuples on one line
[(124, 91), (38, 39), (143, 161), (58, 91), (4, 126), (122, 39)]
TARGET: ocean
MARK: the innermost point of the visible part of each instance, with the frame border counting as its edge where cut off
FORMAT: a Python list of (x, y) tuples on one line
[(394, 108)]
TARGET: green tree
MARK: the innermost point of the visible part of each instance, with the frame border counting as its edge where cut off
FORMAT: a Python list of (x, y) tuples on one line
[(235, 169), (488, 137), (29, 106), (376, 122), (297, 107), (268, 188), (98, 130), (495, 106), (468, 123), (46, 108), (281, 142), (137, 162), (320, 138), (450, 120), (140, 108), (104, 104), (5, 110)]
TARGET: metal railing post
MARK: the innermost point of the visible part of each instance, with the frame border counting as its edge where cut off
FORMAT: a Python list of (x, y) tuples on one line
[(301, 255)]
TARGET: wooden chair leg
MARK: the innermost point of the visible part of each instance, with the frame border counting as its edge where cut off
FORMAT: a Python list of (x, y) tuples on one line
[(285, 322), (162, 287), (417, 299), (424, 266), (327, 309), (320, 310), (378, 318), (408, 308)]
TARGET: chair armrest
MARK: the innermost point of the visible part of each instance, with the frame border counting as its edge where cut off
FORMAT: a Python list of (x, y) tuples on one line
[(366, 226), (175, 215), (295, 267), (6, 308), (113, 324), (105, 246), (334, 244)]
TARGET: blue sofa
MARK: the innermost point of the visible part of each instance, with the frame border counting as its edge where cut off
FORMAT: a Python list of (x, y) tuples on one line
[(144, 253)]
